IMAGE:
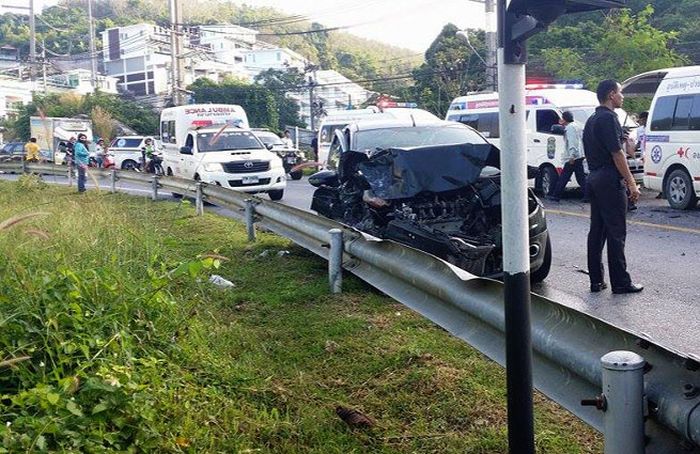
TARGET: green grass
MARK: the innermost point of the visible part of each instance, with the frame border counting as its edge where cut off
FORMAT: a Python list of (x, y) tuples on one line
[(127, 347)]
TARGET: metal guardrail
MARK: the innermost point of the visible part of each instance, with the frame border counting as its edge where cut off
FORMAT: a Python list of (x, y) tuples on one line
[(568, 345)]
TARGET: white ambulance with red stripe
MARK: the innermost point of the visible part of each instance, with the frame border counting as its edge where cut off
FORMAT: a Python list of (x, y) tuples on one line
[(672, 141), (545, 145)]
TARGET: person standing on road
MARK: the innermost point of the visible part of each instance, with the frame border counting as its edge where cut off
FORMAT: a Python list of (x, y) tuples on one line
[(31, 150), (572, 158), (605, 152), (81, 155)]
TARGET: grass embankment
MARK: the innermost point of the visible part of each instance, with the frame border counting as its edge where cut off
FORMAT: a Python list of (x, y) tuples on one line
[(116, 341)]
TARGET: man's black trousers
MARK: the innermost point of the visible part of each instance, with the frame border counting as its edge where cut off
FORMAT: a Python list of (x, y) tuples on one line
[(608, 196), (570, 169)]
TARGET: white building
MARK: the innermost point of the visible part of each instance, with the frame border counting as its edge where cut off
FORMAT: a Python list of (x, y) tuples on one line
[(80, 81), (138, 56), (258, 60), (332, 92), (13, 94)]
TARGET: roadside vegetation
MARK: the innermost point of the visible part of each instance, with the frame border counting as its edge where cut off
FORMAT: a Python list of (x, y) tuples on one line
[(113, 339)]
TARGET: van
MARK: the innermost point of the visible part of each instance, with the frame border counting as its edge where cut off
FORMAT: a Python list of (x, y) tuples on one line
[(545, 105), (671, 146), (213, 143)]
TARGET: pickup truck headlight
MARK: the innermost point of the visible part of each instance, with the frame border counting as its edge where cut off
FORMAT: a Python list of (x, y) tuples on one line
[(213, 167)]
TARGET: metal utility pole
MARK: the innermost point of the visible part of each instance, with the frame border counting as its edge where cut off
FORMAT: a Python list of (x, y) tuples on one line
[(93, 53), (43, 64), (176, 51), (32, 40), (516, 261), (312, 107), (491, 44)]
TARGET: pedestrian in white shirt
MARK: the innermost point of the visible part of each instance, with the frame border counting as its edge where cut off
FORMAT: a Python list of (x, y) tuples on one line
[(572, 157), (287, 139)]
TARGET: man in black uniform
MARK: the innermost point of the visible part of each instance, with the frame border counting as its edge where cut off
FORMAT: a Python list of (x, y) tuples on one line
[(603, 141)]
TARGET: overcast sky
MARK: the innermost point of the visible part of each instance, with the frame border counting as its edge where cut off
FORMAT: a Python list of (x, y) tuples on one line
[(412, 24)]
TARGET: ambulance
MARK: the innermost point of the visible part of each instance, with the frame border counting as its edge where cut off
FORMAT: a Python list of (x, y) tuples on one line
[(671, 146), (214, 144), (545, 142)]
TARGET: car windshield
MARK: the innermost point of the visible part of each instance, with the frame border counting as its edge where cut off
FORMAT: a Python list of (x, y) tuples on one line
[(582, 114), (403, 137), (269, 138), (227, 140), (328, 131), (125, 142)]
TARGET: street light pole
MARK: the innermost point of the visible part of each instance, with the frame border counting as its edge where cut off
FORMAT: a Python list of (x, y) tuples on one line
[(491, 44), (516, 261), (93, 52), (32, 41)]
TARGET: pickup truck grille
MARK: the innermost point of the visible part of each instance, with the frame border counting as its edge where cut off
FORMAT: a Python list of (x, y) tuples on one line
[(246, 166)]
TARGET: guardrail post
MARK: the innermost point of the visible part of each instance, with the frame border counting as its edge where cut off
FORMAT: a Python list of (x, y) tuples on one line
[(113, 181), (154, 186), (335, 261), (250, 219), (623, 391), (199, 199)]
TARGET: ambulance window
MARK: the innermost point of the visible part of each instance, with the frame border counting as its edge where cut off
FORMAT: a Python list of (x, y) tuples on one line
[(334, 154), (190, 141), (470, 120), (546, 118), (681, 115), (695, 114), (488, 125), (663, 113)]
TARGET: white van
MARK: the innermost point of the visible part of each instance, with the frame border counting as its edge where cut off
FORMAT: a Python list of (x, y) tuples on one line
[(212, 143), (672, 144), (545, 104)]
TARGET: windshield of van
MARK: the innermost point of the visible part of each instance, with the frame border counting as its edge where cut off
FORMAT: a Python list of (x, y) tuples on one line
[(402, 137), (327, 132), (125, 142), (227, 140)]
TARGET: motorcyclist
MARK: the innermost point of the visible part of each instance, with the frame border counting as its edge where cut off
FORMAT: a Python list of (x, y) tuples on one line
[(146, 153)]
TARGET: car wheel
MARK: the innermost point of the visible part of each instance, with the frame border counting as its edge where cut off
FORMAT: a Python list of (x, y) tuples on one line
[(297, 175), (547, 180), (276, 195), (541, 273), (679, 190), (129, 165)]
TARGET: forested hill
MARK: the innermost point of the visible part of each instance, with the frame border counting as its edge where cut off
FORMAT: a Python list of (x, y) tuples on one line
[(65, 29)]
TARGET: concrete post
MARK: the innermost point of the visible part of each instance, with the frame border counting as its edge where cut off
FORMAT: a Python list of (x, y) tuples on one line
[(623, 388), (154, 186), (113, 181), (335, 261), (250, 219), (199, 199)]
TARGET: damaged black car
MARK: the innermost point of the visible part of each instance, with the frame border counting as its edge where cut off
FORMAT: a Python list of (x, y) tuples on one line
[(434, 187)]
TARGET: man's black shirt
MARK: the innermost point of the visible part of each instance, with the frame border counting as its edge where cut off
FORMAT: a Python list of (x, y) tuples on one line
[(602, 137)]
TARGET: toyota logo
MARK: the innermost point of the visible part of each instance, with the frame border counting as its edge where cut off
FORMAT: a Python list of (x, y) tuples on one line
[(248, 164)]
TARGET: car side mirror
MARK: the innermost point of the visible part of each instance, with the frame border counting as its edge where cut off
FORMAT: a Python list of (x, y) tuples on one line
[(185, 150), (269, 146), (324, 178), (557, 129)]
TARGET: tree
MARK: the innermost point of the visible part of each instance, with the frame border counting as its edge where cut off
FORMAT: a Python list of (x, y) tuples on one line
[(102, 124), (451, 69), (258, 102), (279, 83), (637, 45)]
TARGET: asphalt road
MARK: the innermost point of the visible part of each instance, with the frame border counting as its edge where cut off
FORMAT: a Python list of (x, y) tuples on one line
[(662, 254)]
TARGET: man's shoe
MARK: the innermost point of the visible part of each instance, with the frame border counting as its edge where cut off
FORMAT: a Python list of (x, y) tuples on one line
[(631, 288), (595, 288)]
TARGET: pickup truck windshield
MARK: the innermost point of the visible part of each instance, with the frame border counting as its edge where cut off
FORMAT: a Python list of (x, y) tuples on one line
[(227, 140)]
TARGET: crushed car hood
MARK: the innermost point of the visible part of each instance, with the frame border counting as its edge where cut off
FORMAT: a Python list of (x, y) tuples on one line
[(402, 173)]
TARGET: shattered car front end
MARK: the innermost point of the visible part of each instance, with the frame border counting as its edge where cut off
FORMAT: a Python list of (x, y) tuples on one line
[(444, 200)]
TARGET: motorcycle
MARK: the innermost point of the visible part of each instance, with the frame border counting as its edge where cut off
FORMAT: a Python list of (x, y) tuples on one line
[(155, 164), (290, 159)]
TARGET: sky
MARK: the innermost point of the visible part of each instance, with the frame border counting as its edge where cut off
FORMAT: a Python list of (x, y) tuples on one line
[(412, 24)]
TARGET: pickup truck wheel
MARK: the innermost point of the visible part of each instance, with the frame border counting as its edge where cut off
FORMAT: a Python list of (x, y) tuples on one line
[(679, 190), (541, 273), (129, 165), (276, 195)]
